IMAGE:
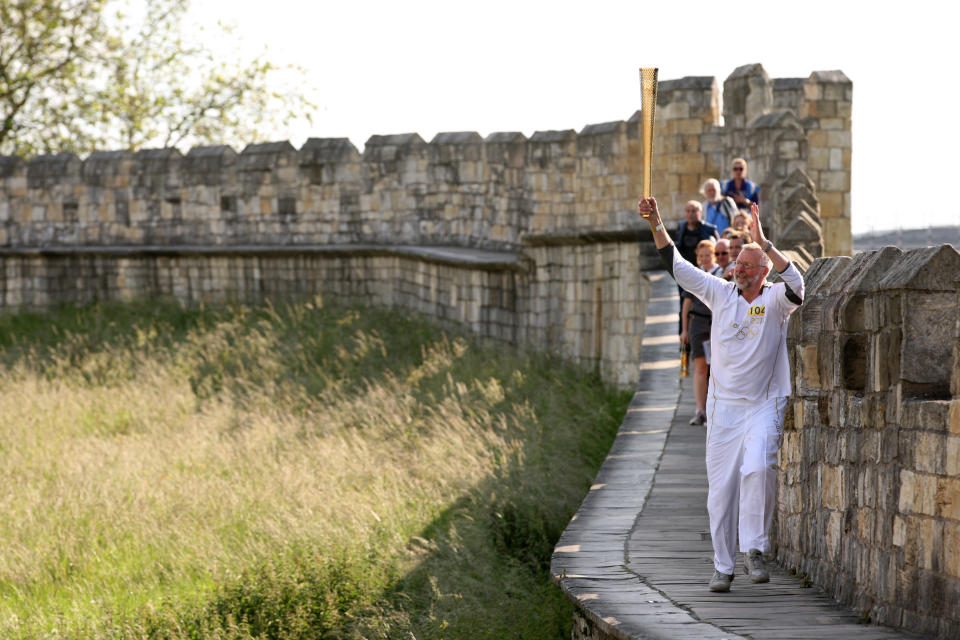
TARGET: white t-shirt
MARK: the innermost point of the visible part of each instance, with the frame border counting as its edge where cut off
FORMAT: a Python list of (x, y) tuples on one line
[(748, 341)]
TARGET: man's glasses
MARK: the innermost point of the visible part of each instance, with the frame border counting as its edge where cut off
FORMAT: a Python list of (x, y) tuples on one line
[(693, 210), (738, 168), (747, 265), (721, 253)]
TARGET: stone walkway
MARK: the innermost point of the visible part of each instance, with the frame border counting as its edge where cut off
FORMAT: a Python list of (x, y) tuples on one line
[(637, 556)]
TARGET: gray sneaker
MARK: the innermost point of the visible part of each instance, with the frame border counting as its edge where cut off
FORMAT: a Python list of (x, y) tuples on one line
[(721, 581), (699, 419), (754, 566)]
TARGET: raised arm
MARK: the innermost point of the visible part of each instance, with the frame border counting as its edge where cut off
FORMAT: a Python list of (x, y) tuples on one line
[(691, 278), (788, 273), (779, 260), (647, 208)]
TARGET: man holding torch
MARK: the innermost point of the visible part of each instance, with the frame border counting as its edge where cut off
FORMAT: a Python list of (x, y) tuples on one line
[(747, 391)]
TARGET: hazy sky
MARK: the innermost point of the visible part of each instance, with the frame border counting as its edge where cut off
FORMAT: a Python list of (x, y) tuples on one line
[(425, 66)]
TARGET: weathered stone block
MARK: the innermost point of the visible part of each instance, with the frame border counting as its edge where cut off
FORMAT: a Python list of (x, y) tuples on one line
[(953, 456), (951, 549), (930, 452), (928, 326), (833, 487), (908, 491), (930, 550), (927, 415), (809, 374), (46, 171), (818, 158), (925, 494), (832, 123), (834, 181), (948, 497), (842, 139), (884, 359), (837, 238)]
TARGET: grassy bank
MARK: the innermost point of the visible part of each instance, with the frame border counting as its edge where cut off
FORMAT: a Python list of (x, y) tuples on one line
[(284, 472)]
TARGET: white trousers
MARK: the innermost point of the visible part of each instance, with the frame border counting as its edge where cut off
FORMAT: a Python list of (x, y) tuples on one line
[(742, 443)]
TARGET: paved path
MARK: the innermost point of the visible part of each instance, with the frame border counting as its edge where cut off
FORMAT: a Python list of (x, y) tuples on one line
[(637, 556)]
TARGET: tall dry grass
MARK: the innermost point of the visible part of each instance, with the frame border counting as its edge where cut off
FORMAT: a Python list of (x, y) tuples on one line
[(289, 472)]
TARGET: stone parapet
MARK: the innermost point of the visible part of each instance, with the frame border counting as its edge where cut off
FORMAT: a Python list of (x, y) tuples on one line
[(581, 297), (870, 462), (459, 189)]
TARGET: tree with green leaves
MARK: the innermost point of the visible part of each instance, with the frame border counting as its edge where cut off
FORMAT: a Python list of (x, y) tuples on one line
[(82, 75)]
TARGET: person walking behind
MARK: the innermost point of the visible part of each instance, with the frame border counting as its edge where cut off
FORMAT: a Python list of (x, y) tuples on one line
[(747, 392), (718, 209), (690, 232), (696, 331), (737, 240), (722, 253), (692, 229), (743, 192)]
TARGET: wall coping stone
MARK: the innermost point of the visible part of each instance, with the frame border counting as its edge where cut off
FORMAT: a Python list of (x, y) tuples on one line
[(500, 137), (9, 165), (686, 82), (603, 128), (776, 120), (108, 156), (591, 236), (564, 135), (283, 146), (748, 70), (155, 154), (327, 149), (55, 165), (802, 229), (865, 271), (926, 268), (457, 137), (454, 256), (47, 159), (823, 272), (398, 139), (827, 77), (785, 84), (799, 177), (217, 150)]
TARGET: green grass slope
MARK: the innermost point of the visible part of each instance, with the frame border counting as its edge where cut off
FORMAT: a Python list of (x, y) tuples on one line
[(290, 472)]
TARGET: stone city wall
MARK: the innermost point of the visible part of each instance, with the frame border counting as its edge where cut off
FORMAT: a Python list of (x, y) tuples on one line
[(585, 302), (459, 189), (560, 205), (870, 465)]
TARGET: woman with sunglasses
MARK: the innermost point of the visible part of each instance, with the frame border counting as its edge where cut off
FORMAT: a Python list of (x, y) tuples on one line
[(743, 192)]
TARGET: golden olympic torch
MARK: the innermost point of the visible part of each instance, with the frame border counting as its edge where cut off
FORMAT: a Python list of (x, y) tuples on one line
[(648, 110), (648, 107)]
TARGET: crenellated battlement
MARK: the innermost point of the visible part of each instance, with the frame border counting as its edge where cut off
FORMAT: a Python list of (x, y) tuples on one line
[(870, 464), (460, 188), (531, 240)]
